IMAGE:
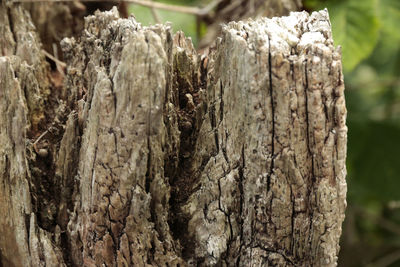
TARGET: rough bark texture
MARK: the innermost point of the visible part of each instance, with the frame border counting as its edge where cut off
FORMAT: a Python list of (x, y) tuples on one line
[(153, 155)]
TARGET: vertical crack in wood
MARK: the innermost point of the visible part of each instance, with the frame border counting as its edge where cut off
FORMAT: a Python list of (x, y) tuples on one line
[(11, 23), (271, 91)]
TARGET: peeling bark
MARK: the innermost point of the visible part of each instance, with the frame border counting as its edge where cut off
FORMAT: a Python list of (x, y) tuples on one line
[(159, 156)]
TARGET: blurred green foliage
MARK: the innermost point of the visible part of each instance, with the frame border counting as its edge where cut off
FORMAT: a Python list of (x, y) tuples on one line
[(355, 28), (369, 33)]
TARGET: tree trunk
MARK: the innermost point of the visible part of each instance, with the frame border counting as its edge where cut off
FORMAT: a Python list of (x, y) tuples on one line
[(153, 155)]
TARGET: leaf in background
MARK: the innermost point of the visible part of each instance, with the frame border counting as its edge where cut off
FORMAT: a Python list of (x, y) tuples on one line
[(373, 156), (355, 27), (390, 17)]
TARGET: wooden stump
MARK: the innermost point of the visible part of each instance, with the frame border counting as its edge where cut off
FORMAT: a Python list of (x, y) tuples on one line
[(153, 155)]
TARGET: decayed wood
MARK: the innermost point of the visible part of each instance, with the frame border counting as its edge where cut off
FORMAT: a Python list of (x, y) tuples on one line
[(157, 156), (21, 40), (55, 20), (121, 209), (274, 191), (235, 10), (24, 92)]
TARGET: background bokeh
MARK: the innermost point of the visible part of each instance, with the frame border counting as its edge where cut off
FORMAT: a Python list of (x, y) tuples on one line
[(369, 33)]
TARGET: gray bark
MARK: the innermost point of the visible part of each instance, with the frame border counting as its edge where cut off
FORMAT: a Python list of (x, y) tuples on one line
[(153, 155)]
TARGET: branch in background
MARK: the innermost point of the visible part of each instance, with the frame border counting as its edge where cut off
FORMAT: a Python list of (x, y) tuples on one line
[(155, 14), (386, 260), (182, 9), (207, 9), (58, 62), (382, 222)]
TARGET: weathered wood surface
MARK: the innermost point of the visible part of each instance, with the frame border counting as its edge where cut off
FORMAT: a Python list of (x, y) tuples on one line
[(158, 156), (55, 20), (239, 10), (24, 90)]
